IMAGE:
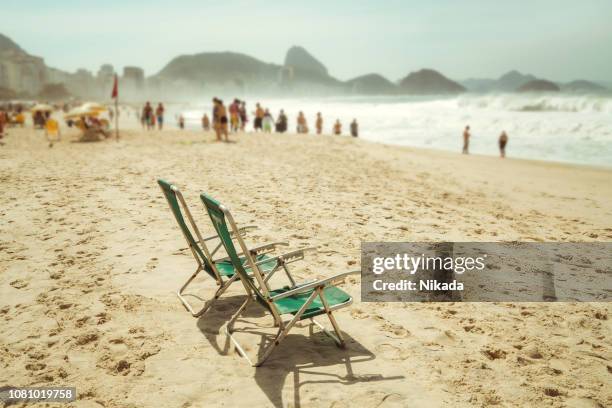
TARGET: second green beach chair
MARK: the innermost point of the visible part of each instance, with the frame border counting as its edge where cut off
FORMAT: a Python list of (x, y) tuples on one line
[(222, 269), (303, 301)]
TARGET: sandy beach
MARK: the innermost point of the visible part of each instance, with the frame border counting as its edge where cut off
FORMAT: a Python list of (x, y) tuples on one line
[(91, 258)]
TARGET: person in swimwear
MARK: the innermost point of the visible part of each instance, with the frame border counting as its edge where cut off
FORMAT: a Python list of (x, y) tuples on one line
[(259, 115), (234, 115), (466, 140), (302, 126), (159, 112), (223, 121), (205, 123), (337, 127), (503, 141), (268, 121), (243, 115), (319, 123), (354, 128), (216, 123), (281, 123)]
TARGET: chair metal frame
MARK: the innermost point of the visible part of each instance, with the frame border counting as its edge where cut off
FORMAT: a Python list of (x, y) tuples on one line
[(284, 326)]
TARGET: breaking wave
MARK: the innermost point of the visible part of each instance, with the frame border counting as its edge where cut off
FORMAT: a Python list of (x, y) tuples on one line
[(540, 103)]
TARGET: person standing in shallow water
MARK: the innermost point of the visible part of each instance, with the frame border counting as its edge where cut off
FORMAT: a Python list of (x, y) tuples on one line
[(319, 123), (354, 128), (503, 141), (466, 140)]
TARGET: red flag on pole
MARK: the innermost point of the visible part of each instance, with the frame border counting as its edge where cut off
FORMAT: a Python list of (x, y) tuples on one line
[(115, 93), (115, 96)]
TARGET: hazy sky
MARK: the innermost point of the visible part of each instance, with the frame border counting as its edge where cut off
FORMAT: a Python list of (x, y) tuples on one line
[(560, 40)]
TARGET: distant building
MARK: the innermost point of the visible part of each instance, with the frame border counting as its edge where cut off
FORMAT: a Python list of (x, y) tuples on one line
[(133, 77), (21, 72)]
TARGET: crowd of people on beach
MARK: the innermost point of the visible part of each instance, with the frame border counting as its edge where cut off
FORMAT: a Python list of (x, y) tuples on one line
[(223, 121), (263, 120), (502, 141), (11, 115), (234, 118)]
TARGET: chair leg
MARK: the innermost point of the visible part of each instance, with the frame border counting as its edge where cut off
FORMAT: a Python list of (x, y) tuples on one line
[(209, 303), (338, 338), (283, 330)]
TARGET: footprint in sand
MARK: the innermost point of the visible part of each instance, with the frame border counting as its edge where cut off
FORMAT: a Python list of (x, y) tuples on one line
[(152, 264), (359, 314), (391, 352), (395, 331), (19, 284)]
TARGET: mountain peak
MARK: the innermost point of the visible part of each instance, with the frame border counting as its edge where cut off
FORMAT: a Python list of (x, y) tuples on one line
[(7, 44), (429, 82), (299, 58), (514, 76)]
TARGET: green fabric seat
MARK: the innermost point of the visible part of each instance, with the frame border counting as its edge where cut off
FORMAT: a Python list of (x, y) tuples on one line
[(226, 268), (292, 304)]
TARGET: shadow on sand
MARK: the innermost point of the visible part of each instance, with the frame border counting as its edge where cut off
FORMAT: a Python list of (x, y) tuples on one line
[(314, 355)]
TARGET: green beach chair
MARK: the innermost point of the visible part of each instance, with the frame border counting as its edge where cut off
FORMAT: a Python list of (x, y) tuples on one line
[(221, 270), (303, 301)]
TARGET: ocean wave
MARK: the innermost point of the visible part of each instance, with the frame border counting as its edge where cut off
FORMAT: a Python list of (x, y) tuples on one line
[(539, 103)]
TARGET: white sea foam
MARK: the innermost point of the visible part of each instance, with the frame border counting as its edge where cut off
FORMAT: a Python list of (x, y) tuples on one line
[(557, 127)]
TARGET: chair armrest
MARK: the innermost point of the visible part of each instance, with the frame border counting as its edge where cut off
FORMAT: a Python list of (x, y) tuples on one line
[(288, 257), (267, 248), (242, 231), (312, 285)]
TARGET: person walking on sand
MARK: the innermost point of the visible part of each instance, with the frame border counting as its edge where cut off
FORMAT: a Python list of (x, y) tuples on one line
[(216, 119), (259, 115), (205, 123), (319, 123), (234, 111), (466, 140), (503, 141), (223, 121), (281, 122), (181, 121), (354, 128), (337, 128), (147, 115), (3, 119), (268, 121), (302, 125), (159, 112), (242, 111)]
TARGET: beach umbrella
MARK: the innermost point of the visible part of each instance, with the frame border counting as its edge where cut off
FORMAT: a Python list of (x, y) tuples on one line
[(42, 107), (94, 106), (79, 112)]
